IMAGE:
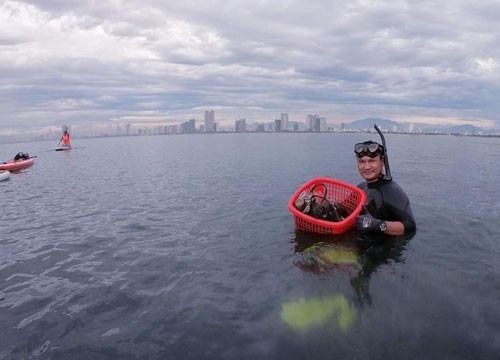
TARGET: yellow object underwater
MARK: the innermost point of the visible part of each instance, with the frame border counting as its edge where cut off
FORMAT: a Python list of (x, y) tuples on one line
[(334, 255), (320, 258), (303, 314)]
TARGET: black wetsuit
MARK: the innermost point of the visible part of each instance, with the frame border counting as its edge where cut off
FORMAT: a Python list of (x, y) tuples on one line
[(386, 200)]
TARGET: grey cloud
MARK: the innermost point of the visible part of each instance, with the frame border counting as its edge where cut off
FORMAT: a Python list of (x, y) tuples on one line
[(65, 61)]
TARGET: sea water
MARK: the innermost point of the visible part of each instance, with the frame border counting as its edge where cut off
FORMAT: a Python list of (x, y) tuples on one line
[(182, 247)]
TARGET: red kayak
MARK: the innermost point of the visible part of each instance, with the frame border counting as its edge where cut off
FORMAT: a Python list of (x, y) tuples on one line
[(13, 165)]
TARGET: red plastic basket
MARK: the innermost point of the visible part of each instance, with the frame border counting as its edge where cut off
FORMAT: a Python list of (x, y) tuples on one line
[(352, 197)]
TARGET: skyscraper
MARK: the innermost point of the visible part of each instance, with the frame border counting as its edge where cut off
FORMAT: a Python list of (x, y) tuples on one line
[(316, 123), (277, 125), (209, 118), (311, 122), (192, 126), (284, 121), (240, 125)]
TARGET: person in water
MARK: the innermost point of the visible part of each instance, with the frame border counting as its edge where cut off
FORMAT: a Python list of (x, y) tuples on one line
[(65, 139), (387, 209), (21, 156)]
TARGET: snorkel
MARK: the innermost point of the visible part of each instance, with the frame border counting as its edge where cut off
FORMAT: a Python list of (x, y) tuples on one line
[(387, 175)]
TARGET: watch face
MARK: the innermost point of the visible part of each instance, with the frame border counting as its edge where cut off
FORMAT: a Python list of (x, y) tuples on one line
[(383, 226)]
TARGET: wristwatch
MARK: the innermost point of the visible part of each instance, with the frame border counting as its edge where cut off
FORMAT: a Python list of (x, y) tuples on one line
[(383, 226)]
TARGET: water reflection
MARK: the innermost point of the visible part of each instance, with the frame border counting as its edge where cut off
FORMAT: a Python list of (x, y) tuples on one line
[(349, 253)]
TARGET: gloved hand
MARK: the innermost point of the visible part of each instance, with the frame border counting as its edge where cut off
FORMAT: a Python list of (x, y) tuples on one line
[(367, 223)]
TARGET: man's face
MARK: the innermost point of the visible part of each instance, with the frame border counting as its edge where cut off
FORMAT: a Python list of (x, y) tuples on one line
[(370, 168)]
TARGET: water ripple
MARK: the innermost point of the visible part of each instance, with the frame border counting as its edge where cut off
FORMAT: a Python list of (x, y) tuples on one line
[(182, 247)]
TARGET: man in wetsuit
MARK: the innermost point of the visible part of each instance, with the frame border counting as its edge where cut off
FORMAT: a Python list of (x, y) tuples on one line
[(387, 209)]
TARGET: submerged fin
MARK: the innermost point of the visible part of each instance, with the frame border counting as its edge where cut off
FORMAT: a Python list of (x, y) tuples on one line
[(304, 314)]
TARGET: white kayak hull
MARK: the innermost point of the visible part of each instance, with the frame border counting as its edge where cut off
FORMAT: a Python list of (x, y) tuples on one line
[(4, 175)]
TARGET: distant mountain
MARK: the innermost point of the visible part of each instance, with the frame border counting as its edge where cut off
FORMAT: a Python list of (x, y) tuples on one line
[(365, 124), (463, 129), (386, 124)]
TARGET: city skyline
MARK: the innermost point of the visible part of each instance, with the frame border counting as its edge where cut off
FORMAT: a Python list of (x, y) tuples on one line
[(313, 123), (100, 65)]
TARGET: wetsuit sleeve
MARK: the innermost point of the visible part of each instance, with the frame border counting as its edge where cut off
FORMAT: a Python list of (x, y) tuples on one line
[(398, 205), (386, 200)]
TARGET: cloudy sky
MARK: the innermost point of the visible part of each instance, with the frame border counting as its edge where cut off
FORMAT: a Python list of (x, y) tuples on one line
[(93, 62)]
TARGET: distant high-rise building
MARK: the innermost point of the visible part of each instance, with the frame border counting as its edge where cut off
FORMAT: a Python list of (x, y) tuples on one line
[(240, 125), (322, 124), (188, 127), (192, 125), (250, 127), (209, 120), (315, 123), (260, 128), (277, 125), (311, 122), (173, 129), (284, 121), (127, 130)]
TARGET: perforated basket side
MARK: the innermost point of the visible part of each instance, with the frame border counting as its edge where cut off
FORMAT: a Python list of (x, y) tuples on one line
[(337, 191)]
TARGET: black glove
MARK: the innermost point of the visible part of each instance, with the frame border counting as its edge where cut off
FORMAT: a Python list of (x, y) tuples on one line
[(367, 223)]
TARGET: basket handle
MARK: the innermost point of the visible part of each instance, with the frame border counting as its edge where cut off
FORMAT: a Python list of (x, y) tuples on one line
[(315, 186)]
